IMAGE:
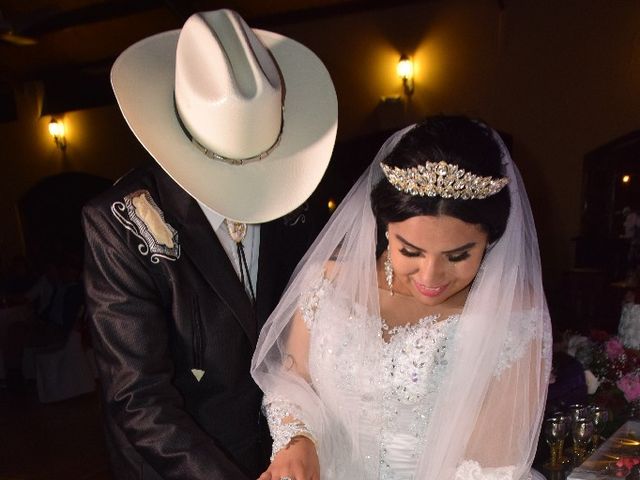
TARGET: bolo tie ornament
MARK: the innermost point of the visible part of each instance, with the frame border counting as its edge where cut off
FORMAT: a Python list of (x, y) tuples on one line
[(237, 232)]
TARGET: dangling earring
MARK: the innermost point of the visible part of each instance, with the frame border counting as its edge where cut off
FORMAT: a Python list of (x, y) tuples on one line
[(388, 268)]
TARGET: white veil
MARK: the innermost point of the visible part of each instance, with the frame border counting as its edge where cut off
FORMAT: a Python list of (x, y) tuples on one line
[(489, 406)]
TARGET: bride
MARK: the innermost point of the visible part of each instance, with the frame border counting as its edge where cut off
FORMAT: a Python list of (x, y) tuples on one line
[(413, 341)]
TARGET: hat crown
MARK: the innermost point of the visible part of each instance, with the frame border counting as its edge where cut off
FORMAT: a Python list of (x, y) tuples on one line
[(228, 88)]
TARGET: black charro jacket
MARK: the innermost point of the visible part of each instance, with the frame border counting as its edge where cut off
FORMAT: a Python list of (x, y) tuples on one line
[(154, 318)]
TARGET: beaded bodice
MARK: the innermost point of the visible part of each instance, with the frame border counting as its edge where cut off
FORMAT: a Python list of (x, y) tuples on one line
[(378, 389), (395, 380)]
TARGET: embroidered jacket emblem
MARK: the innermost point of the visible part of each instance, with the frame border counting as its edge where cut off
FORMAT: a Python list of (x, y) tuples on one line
[(139, 214), (297, 216)]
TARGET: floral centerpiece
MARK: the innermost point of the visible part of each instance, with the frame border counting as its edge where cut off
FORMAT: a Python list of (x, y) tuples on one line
[(612, 369)]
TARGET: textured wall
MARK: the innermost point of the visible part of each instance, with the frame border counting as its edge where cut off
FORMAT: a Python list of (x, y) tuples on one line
[(561, 77)]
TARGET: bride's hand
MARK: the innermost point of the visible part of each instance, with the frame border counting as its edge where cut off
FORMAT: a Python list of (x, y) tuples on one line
[(298, 461)]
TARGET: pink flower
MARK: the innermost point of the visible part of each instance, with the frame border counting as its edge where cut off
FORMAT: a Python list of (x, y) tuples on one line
[(630, 386), (614, 348)]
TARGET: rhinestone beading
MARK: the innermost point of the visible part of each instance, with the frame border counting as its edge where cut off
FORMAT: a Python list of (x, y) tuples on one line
[(444, 180)]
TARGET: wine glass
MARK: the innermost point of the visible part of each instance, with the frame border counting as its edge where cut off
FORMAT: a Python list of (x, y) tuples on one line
[(567, 421), (555, 431), (566, 418), (577, 410), (582, 432), (600, 416)]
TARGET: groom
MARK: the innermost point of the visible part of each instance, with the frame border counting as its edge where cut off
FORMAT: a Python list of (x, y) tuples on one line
[(186, 258)]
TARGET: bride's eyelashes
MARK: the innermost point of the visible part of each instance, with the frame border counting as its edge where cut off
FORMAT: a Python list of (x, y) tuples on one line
[(452, 258), (409, 253), (460, 257)]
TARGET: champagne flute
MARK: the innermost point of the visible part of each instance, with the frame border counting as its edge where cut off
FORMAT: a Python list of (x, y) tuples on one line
[(555, 431), (582, 432), (600, 416)]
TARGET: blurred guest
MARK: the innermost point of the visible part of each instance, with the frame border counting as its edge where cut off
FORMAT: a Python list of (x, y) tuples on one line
[(41, 293), (57, 304), (58, 301), (17, 280), (569, 385), (631, 222)]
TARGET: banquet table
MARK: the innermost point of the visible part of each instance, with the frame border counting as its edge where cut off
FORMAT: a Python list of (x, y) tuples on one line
[(601, 464), (8, 316)]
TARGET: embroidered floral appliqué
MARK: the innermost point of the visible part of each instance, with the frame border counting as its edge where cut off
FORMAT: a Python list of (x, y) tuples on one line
[(278, 411), (522, 330), (297, 216), (139, 214)]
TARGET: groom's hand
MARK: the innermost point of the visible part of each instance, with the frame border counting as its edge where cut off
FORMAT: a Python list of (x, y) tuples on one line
[(298, 461)]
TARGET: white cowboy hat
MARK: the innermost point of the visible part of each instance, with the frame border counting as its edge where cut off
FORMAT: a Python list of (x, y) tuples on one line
[(253, 124)]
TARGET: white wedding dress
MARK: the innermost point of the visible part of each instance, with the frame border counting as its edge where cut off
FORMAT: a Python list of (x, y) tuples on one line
[(387, 390), (458, 398)]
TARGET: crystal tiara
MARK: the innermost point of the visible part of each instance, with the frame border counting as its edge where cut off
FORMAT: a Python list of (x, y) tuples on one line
[(442, 179)]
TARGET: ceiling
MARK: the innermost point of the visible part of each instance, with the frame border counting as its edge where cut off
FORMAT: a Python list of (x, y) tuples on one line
[(68, 46), (41, 38)]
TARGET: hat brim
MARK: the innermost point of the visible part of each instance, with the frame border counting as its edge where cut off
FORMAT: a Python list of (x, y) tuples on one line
[(143, 81)]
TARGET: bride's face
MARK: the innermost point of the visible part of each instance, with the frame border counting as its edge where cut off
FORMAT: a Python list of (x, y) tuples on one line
[(435, 259)]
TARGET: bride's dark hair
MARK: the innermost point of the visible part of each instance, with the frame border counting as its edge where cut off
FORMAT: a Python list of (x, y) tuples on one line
[(458, 140)]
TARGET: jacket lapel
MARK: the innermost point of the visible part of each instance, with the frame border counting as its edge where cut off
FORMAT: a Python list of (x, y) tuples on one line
[(202, 247)]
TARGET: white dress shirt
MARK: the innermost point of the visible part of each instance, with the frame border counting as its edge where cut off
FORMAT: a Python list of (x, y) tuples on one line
[(251, 244)]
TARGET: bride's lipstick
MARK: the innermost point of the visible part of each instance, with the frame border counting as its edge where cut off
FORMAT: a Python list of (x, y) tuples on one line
[(430, 291)]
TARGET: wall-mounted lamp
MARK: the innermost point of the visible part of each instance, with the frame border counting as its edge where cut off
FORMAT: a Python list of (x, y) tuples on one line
[(56, 129), (626, 178), (404, 69)]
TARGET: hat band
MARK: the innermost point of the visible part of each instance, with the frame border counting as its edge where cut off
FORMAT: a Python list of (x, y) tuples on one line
[(216, 156)]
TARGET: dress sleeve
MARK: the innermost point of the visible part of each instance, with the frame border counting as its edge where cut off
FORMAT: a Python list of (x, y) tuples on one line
[(285, 423), (312, 300), (522, 331), (286, 419), (509, 418)]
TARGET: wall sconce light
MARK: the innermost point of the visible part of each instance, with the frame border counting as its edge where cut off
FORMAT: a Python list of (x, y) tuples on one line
[(56, 130), (626, 178), (404, 69)]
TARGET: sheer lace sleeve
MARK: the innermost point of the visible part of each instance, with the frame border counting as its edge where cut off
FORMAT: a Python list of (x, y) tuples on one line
[(285, 423), (312, 299), (523, 329), (286, 419), (499, 441)]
